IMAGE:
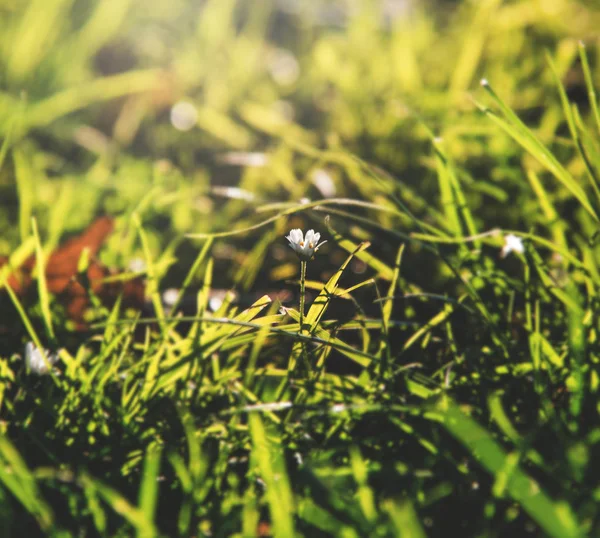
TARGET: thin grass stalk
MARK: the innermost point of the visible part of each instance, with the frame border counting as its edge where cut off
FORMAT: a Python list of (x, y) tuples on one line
[(302, 292)]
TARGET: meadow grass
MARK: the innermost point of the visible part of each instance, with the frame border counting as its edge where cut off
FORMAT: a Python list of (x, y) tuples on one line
[(433, 371)]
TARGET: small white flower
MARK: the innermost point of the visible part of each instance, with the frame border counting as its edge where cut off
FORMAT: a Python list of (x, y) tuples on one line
[(512, 243), (34, 359), (304, 247)]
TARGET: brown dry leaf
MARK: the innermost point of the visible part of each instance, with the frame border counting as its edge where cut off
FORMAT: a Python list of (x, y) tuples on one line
[(62, 278)]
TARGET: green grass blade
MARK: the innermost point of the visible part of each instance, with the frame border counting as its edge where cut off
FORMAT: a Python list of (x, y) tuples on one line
[(153, 277), (589, 83), (268, 456), (42, 284), (516, 129), (320, 304), (404, 518), (148, 494), (593, 179), (555, 518), (121, 506), (18, 479), (30, 330), (25, 189)]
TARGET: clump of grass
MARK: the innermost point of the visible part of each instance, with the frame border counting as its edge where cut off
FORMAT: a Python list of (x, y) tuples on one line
[(441, 372)]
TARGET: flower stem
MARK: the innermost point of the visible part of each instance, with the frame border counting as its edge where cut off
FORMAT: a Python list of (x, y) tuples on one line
[(302, 289)]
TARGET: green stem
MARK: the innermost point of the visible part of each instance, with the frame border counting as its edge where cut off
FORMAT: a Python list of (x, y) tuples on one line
[(302, 288)]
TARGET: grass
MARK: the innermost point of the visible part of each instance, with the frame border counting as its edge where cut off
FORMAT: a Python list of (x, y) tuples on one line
[(423, 385)]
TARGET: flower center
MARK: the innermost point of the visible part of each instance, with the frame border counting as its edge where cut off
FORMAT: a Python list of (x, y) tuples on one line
[(311, 245), (302, 244)]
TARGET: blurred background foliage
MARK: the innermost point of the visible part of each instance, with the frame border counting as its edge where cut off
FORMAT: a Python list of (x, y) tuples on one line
[(90, 88)]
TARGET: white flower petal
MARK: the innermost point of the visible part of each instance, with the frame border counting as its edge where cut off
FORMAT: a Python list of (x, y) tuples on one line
[(295, 235), (512, 243), (304, 245)]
